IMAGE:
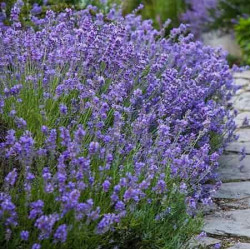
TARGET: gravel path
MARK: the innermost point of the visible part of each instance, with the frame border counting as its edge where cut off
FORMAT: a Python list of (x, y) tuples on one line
[(228, 223)]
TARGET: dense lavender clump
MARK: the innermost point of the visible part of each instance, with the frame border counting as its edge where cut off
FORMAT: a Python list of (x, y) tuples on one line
[(106, 118)]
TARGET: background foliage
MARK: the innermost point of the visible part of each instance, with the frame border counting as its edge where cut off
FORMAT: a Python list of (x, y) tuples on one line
[(230, 11), (242, 30), (158, 10)]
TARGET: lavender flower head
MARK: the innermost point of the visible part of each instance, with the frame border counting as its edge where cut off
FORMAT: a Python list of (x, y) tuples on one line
[(24, 235), (36, 246), (61, 234), (106, 184), (10, 179), (36, 9)]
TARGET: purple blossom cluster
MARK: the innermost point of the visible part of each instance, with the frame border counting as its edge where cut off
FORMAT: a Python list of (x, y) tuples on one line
[(128, 110), (198, 14)]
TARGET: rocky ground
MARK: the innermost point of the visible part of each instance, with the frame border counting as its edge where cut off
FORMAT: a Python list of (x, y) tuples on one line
[(228, 222)]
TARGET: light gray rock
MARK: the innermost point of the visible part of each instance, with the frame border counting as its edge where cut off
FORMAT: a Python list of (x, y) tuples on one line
[(247, 87), (203, 242), (229, 223), (230, 168), (236, 147), (234, 190), (208, 209), (235, 98), (240, 118), (240, 246), (244, 74), (244, 135), (215, 39), (242, 102), (242, 82), (239, 92)]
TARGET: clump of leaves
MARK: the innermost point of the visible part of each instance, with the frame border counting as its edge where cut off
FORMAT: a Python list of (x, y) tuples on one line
[(242, 30)]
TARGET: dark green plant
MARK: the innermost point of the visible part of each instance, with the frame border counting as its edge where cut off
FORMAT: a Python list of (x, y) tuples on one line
[(228, 12), (158, 10), (242, 30), (233, 60)]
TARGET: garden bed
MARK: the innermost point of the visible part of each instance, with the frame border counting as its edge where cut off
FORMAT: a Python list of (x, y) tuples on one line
[(117, 131)]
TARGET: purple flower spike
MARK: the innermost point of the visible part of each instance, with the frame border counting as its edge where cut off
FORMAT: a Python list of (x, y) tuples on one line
[(36, 246), (119, 206), (24, 235), (217, 246), (93, 147), (63, 109), (10, 179), (61, 234), (106, 184)]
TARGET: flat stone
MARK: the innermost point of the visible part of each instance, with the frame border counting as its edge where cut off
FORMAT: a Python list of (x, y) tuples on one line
[(240, 91), (230, 168), (244, 135), (240, 118), (237, 147), (208, 209), (240, 246), (242, 102), (234, 190), (242, 82), (203, 242), (224, 41), (236, 97), (244, 74), (247, 87), (229, 223)]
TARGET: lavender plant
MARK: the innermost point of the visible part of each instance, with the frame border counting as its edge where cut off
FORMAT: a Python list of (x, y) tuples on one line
[(111, 131), (200, 14)]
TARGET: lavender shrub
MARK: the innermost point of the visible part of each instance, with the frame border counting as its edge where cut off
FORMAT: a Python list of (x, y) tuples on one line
[(114, 131)]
